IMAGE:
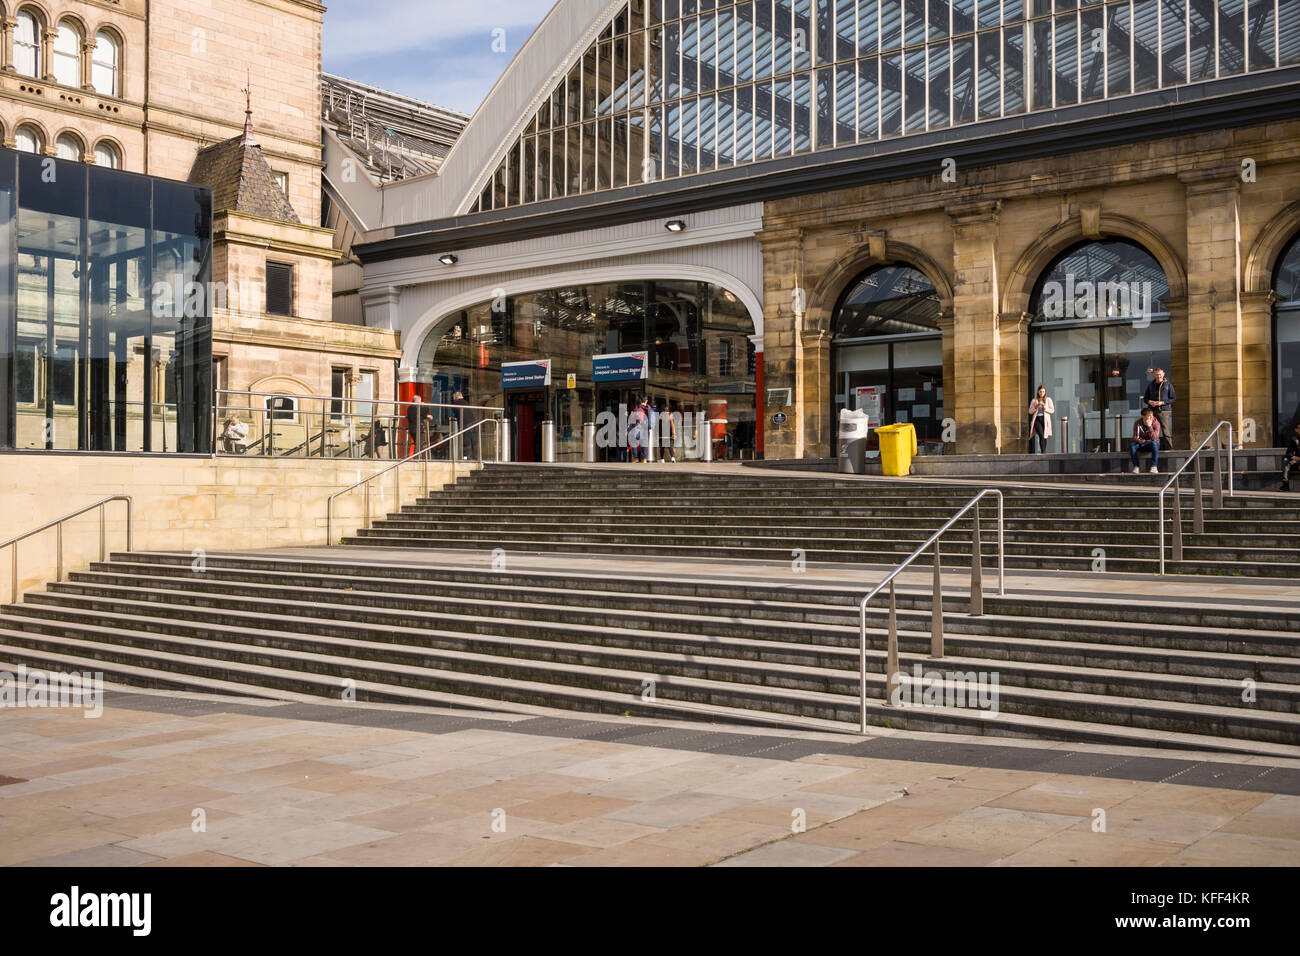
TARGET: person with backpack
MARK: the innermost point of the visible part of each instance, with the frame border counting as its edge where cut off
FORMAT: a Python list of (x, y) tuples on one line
[(1160, 398), (638, 425), (1291, 458), (1146, 438)]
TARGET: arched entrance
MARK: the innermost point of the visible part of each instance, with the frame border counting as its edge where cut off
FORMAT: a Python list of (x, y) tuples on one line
[(1286, 343), (1099, 330), (696, 338), (887, 351)]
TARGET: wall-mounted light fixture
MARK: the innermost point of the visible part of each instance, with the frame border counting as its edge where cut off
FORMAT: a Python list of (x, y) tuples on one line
[(675, 225), (448, 259)]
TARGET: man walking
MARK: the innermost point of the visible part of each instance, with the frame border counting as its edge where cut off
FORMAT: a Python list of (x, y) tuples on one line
[(1160, 398)]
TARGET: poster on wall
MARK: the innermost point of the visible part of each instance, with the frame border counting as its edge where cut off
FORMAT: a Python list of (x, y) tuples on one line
[(870, 399)]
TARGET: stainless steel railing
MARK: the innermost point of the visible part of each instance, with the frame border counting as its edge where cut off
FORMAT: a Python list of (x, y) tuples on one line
[(1198, 508), (936, 599), (288, 425), (58, 524), (421, 456)]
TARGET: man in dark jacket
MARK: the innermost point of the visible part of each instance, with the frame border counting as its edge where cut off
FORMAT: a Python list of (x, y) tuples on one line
[(466, 419), (1160, 398), (419, 419), (1291, 458)]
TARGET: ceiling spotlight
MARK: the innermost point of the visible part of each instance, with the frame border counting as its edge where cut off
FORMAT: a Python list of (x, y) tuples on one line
[(448, 259), (675, 225)]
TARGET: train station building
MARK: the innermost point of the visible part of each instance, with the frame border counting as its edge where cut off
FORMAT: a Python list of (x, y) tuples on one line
[(786, 208)]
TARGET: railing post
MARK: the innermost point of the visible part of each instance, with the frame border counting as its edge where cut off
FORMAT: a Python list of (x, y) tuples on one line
[(891, 653), (936, 607), (58, 551), (862, 666), (13, 574), (976, 569), (366, 505), (1231, 492), (1002, 569), (1198, 505), (102, 552), (1160, 520), (1178, 520), (1218, 475), (130, 525), (324, 427)]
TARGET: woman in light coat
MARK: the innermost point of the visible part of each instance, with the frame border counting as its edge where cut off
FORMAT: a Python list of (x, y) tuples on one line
[(1041, 410)]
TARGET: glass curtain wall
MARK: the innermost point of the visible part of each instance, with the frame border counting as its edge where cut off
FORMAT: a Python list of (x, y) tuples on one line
[(1286, 335), (887, 353), (696, 336), (676, 87), (1099, 331), (105, 337)]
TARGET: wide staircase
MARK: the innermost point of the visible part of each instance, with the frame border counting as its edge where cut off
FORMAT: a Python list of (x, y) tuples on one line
[(415, 627), (650, 511)]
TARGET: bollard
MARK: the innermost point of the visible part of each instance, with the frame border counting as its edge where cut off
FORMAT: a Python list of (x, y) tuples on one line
[(548, 442), (503, 439), (706, 439), (1065, 435), (1119, 434), (589, 442)]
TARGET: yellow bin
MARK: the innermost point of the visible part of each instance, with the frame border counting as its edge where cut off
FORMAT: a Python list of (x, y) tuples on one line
[(897, 446)]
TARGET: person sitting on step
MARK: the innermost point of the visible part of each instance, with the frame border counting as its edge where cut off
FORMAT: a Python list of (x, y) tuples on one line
[(1291, 458), (1146, 437)]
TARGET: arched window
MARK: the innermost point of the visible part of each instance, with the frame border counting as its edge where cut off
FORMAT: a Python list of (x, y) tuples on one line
[(67, 54), (104, 64), (27, 44), (28, 139), (887, 351), (1286, 338), (1099, 330), (106, 154), (69, 146)]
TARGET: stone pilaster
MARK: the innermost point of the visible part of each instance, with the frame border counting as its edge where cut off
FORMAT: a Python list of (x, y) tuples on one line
[(7, 25), (1016, 386), (973, 395), (1213, 387), (380, 305), (782, 349), (1258, 424), (814, 397)]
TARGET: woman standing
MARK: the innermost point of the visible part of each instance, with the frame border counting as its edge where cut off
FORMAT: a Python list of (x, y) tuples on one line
[(1041, 410)]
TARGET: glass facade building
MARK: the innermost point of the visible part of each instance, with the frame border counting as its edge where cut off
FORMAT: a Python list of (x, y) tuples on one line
[(677, 87), (105, 328), (699, 360)]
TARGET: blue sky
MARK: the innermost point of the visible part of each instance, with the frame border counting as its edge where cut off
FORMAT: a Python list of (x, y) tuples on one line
[(435, 50)]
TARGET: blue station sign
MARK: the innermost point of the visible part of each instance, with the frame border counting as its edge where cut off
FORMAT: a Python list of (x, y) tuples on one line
[(536, 374), (619, 366)]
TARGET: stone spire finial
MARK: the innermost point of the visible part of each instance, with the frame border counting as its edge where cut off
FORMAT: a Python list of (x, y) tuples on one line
[(248, 111)]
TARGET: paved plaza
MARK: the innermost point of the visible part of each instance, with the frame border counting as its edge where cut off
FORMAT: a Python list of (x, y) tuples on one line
[(169, 779)]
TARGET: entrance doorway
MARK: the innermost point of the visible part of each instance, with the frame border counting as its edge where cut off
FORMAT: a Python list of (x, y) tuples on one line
[(609, 399), (526, 412)]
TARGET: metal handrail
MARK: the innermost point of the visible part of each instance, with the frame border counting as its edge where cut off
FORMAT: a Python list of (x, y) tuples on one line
[(1194, 457), (58, 523), (421, 455), (340, 399), (936, 599)]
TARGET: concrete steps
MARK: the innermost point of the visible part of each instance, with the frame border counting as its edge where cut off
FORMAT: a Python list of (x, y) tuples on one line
[(664, 514), (1115, 671)]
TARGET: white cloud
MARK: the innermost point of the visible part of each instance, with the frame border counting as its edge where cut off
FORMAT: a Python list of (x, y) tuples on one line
[(360, 28)]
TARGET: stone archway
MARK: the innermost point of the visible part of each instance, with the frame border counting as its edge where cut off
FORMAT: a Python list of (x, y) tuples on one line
[(1260, 317)]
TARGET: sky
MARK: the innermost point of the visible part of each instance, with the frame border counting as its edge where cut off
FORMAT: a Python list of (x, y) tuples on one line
[(440, 51)]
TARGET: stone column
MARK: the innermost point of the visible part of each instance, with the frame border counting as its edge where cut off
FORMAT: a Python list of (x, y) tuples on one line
[(814, 397), (1213, 389), (1017, 386), (47, 55), (1258, 426), (7, 25), (781, 347), (975, 402), (87, 52)]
